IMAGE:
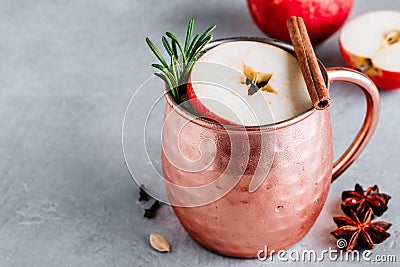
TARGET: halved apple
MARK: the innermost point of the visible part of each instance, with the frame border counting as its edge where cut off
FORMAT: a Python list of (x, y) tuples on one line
[(247, 83), (370, 43)]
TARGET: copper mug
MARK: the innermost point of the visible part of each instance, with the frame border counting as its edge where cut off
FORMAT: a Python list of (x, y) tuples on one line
[(212, 200)]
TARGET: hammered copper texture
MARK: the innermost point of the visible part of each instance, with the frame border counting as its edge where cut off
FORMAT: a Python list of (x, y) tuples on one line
[(280, 212)]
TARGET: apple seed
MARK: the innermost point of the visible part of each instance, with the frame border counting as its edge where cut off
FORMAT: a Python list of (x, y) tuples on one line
[(392, 37)]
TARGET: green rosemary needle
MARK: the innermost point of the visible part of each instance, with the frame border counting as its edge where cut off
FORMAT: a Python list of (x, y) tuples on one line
[(182, 56)]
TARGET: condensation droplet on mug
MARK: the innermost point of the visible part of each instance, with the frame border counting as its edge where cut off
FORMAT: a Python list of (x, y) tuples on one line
[(278, 208)]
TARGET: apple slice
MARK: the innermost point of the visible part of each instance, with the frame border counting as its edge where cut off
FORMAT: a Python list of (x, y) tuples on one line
[(370, 43), (248, 83)]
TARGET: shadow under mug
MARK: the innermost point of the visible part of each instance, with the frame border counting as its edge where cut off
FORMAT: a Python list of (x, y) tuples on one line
[(284, 207)]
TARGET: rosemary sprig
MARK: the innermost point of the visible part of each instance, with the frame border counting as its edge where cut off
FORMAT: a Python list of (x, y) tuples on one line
[(182, 56)]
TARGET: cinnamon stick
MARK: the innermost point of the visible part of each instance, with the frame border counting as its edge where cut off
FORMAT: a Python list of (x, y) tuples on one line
[(308, 63)]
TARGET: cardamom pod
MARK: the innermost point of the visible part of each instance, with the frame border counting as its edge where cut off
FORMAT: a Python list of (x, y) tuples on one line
[(159, 243)]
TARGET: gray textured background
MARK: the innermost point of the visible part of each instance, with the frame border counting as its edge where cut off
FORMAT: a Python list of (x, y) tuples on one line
[(67, 72)]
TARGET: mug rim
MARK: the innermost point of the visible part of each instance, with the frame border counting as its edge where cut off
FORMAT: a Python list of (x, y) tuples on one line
[(223, 127)]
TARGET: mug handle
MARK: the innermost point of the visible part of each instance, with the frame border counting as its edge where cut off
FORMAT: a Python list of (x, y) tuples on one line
[(371, 118)]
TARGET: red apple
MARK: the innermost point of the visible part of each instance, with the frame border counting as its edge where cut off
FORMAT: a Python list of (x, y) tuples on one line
[(247, 83), (322, 17), (371, 43)]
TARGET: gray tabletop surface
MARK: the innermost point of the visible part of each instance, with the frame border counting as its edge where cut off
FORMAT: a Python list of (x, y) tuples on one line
[(67, 72)]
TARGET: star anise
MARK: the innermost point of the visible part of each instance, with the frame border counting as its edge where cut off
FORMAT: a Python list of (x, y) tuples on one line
[(360, 203), (360, 232)]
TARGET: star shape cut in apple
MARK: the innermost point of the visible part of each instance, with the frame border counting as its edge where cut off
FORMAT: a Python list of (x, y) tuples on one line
[(370, 43)]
